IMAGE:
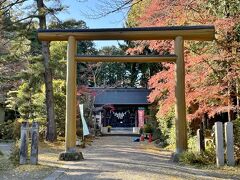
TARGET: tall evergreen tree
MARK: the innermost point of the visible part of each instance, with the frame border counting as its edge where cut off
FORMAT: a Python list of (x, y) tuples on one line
[(39, 11)]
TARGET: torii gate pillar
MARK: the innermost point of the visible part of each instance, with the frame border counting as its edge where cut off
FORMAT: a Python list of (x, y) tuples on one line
[(71, 95), (70, 153), (180, 107)]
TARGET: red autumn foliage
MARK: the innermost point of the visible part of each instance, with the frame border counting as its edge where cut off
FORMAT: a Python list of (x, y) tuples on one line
[(212, 68), (82, 90)]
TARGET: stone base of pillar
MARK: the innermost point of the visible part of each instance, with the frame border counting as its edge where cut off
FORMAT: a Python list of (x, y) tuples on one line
[(175, 157), (70, 156)]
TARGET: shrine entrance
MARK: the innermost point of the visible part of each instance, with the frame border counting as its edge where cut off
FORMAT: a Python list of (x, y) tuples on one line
[(177, 33), (118, 107), (123, 116)]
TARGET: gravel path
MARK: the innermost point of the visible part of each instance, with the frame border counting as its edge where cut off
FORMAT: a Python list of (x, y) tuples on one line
[(118, 158), (5, 148)]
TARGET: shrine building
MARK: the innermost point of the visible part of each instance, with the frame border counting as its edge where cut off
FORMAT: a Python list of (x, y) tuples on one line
[(121, 107)]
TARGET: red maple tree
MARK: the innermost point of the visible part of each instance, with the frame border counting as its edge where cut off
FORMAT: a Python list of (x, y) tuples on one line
[(212, 68)]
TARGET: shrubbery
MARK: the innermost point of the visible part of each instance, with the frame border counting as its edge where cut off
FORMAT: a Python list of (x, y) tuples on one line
[(15, 151), (192, 143), (6, 130), (157, 134), (10, 130), (33, 107), (148, 128), (236, 132), (207, 157), (167, 128), (151, 119), (192, 156), (171, 140), (59, 88)]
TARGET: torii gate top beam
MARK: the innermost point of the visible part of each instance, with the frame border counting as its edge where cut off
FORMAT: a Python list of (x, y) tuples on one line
[(199, 33)]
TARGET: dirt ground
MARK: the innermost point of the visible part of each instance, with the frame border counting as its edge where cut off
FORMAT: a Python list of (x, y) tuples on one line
[(113, 157), (8, 171)]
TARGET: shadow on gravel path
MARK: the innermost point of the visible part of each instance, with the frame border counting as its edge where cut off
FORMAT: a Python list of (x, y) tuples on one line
[(113, 157)]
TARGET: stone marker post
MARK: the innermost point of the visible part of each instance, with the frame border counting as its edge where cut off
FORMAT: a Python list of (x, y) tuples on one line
[(24, 143), (219, 143), (228, 126), (34, 145)]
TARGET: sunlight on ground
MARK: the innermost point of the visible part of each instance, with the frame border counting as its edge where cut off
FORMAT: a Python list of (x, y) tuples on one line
[(111, 157), (9, 171), (48, 153)]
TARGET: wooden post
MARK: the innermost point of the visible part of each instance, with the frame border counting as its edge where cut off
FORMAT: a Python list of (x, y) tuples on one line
[(180, 107), (71, 89)]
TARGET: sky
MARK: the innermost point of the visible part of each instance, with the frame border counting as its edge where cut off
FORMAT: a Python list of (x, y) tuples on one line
[(75, 11)]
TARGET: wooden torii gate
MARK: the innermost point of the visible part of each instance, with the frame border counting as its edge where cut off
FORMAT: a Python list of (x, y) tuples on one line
[(176, 33)]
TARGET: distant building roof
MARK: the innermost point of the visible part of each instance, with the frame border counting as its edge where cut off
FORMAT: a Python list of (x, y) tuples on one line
[(121, 96)]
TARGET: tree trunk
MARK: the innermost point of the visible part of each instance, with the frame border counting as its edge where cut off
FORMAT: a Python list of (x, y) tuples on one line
[(237, 92), (51, 126), (94, 80), (230, 102), (134, 74)]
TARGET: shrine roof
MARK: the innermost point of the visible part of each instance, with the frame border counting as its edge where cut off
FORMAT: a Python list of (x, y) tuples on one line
[(121, 96)]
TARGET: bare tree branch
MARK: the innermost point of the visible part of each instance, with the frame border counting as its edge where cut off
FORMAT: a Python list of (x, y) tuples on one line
[(54, 15), (9, 6), (104, 8)]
